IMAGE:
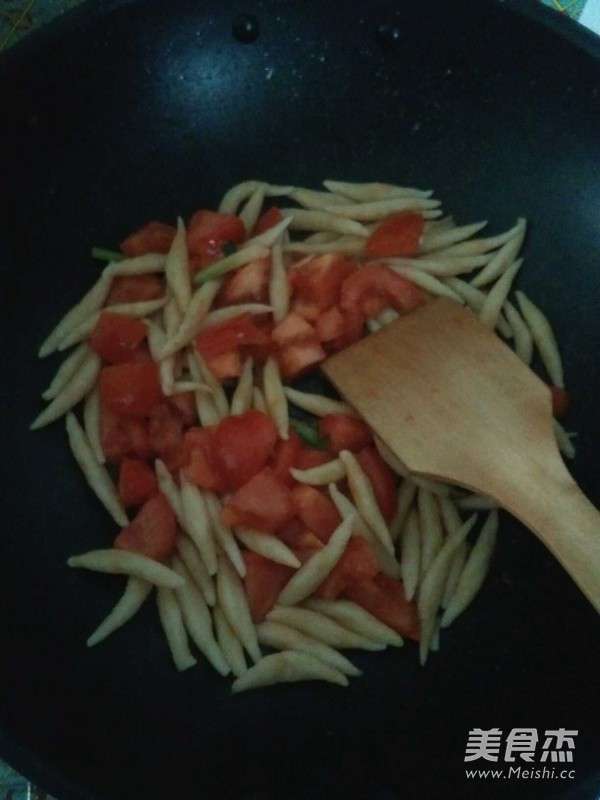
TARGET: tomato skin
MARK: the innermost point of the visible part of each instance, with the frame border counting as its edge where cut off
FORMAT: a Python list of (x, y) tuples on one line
[(249, 284), (116, 337), (137, 482), (298, 346), (382, 479), (208, 231), (308, 458), (154, 237), (561, 401), (317, 283), (165, 435), (263, 583), (201, 466), (130, 390), (271, 217), (399, 235), (384, 597), (315, 510), (121, 437), (374, 287), (229, 335), (152, 532), (358, 563), (345, 433), (225, 365), (135, 288), (242, 444), (337, 329), (264, 503)]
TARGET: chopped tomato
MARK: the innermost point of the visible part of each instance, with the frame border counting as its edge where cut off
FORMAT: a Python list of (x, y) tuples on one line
[(306, 545), (315, 510), (345, 433), (286, 453), (317, 283), (184, 405), (116, 337), (122, 437), (337, 329), (308, 458), (271, 217), (242, 444), (358, 563), (560, 401), (229, 335), (130, 390), (137, 482), (152, 532), (398, 235), (225, 366), (375, 287), (201, 465), (135, 288), (249, 284), (384, 598), (382, 479), (263, 583), (155, 237), (165, 435), (264, 503), (208, 231), (298, 346), (292, 532)]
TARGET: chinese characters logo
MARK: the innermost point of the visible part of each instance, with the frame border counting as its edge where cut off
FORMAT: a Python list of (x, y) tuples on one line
[(557, 746)]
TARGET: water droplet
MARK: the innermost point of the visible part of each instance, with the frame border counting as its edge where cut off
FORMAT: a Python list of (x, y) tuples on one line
[(389, 35), (245, 28)]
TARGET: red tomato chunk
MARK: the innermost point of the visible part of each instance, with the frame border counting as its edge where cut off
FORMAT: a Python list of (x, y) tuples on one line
[(116, 337), (242, 445), (135, 289), (358, 563), (152, 532), (382, 479), (399, 235), (269, 219), (263, 583), (316, 511), (344, 433), (227, 336), (385, 599), (155, 237), (208, 231), (137, 482), (264, 503), (130, 390), (375, 287)]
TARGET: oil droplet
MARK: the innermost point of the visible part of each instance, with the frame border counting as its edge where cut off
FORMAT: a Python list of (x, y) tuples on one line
[(245, 28)]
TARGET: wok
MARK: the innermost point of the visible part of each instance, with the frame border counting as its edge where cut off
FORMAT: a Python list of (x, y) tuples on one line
[(127, 111)]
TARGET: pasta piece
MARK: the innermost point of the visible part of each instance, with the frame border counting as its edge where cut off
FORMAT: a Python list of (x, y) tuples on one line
[(235, 196), (565, 445), (430, 527), (279, 289), (348, 245), (91, 423), (442, 267), (287, 667), (130, 602), (205, 406), (475, 247), (172, 624), (190, 555), (367, 192), (523, 341), (322, 628), (475, 299), (197, 619), (181, 387), (407, 491), (218, 396), (476, 502), (379, 209), (223, 535), (268, 237), (364, 499), (251, 211), (450, 516), (168, 487), (268, 546), (454, 572), (314, 571), (302, 220), (230, 645), (230, 312), (177, 269), (428, 282), (96, 475), (89, 303), (138, 265), (474, 572), (308, 198), (258, 400), (494, 301), (191, 323), (282, 637), (543, 338), (505, 256), (432, 587), (275, 397), (75, 390), (387, 316), (330, 472), (395, 464), (410, 547), (373, 325), (138, 310), (198, 524), (65, 372), (318, 404), (356, 619), (387, 562), (439, 240), (251, 251), (123, 562), (232, 599), (241, 399)]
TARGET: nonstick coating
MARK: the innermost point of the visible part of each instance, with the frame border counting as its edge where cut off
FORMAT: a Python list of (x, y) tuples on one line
[(125, 112)]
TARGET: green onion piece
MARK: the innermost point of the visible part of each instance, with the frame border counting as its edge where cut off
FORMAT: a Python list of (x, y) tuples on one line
[(106, 255), (308, 434)]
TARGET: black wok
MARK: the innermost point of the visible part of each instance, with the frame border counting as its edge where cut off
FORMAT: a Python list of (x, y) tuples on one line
[(124, 112)]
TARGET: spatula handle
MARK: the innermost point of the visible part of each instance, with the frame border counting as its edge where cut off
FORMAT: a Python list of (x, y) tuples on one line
[(559, 513)]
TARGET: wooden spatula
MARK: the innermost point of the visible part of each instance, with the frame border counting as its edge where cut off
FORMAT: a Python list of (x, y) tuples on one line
[(455, 403)]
